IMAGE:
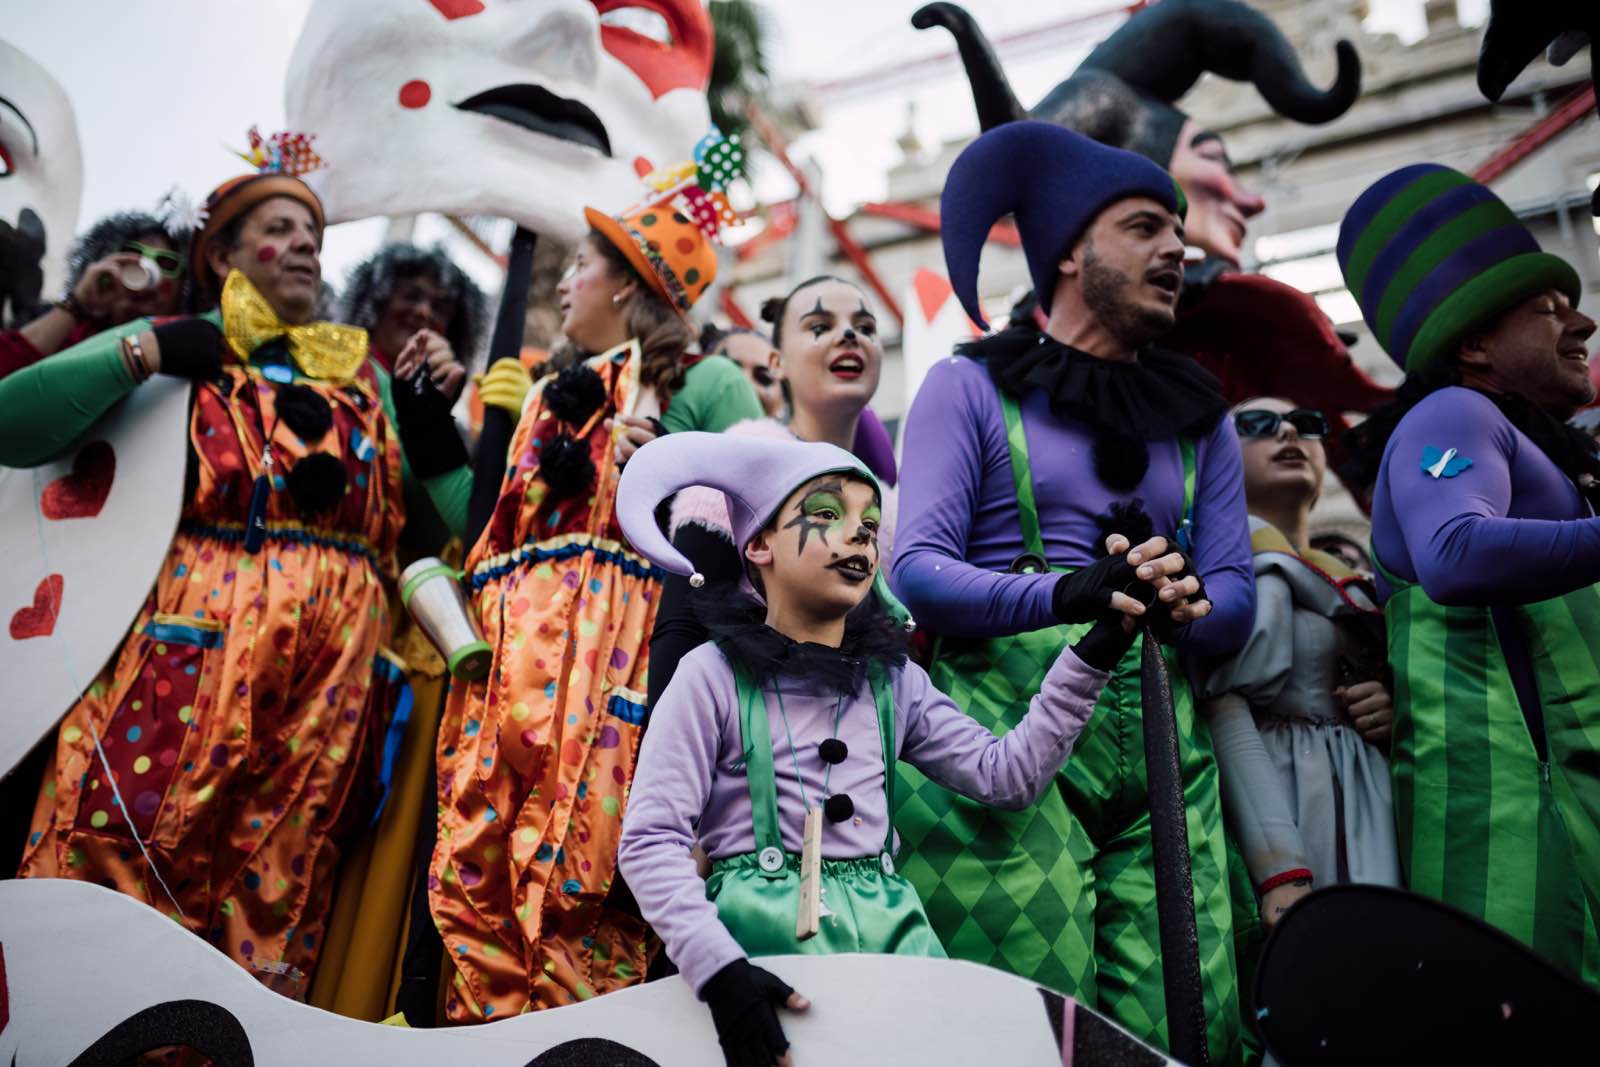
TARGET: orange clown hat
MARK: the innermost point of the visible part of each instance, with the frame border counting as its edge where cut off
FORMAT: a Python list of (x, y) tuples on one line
[(234, 199), (671, 253)]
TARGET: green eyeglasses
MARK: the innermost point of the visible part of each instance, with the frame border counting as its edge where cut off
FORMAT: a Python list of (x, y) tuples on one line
[(168, 262), (1258, 422)]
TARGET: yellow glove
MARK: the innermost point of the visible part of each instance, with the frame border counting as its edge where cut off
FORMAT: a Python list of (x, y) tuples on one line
[(505, 386)]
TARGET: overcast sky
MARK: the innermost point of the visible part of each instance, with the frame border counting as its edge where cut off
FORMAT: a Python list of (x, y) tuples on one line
[(162, 88)]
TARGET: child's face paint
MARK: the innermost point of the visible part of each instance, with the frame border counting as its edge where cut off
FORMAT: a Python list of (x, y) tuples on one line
[(825, 546)]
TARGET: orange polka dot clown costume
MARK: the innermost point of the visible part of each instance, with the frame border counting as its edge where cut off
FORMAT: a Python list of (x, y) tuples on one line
[(241, 717), (535, 761)]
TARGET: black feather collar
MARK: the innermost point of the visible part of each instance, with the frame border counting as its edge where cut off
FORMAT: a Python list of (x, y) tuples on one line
[(1161, 394), (736, 621)]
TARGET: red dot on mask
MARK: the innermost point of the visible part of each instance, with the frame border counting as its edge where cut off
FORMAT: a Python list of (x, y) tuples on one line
[(266, 254), (642, 166), (415, 94)]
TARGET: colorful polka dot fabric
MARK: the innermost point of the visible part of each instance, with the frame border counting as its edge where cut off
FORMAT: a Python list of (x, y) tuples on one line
[(671, 253), (238, 717), (535, 761)]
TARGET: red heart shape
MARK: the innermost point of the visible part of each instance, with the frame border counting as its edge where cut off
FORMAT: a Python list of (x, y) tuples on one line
[(81, 494), (39, 619)]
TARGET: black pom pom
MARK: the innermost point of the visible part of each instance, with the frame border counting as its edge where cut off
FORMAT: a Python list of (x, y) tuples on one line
[(1120, 460), (839, 807), (1128, 519), (304, 411), (833, 750), (317, 483), (576, 394), (565, 466)]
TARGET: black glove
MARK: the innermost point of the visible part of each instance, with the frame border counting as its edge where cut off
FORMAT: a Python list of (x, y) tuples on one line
[(428, 431), (1084, 595), (1106, 642), (190, 348), (744, 1002)]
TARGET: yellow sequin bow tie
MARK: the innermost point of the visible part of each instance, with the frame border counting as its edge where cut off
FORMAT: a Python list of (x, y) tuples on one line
[(320, 349)]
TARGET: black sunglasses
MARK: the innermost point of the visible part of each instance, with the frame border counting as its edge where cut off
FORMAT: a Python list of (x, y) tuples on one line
[(1257, 422)]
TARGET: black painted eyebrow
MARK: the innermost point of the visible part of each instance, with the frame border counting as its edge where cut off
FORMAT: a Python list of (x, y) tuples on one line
[(32, 134)]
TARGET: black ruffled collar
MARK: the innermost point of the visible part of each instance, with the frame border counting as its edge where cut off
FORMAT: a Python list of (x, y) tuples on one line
[(736, 621), (1161, 394)]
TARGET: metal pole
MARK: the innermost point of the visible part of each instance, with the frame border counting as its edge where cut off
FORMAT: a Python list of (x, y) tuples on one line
[(1169, 838), (505, 343)]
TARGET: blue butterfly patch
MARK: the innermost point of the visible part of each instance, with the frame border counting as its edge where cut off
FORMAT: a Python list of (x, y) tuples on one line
[(1443, 463)]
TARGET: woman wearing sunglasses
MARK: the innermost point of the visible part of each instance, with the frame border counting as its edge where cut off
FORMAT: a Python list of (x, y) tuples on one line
[(1298, 716), (126, 267)]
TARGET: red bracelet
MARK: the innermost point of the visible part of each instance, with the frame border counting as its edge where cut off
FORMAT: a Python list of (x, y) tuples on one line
[(1283, 879)]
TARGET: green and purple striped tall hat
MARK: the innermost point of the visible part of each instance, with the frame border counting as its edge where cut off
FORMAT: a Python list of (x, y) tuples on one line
[(1430, 255)]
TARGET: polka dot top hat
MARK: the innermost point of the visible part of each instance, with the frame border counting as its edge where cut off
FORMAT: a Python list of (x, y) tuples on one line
[(669, 237)]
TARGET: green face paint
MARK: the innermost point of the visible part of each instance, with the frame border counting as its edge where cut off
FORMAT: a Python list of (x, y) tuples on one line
[(822, 511)]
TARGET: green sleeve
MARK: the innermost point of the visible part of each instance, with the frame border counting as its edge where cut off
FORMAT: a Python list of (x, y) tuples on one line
[(46, 407), (448, 493), (715, 395)]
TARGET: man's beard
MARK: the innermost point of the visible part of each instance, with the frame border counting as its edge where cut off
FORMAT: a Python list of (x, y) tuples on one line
[(1105, 293)]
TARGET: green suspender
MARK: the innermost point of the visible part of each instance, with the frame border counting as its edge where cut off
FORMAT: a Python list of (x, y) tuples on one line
[(756, 736), (1022, 478)]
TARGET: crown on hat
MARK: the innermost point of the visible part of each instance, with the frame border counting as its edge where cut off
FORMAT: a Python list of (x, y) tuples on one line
[(285, 152), (668, 235)]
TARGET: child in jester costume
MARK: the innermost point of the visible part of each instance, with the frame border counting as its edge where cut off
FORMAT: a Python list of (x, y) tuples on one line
[(772, 744), (1488, 551), (1023, 452)]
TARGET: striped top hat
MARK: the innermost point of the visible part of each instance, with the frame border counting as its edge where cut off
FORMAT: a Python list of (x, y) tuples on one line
[(1430, 256)]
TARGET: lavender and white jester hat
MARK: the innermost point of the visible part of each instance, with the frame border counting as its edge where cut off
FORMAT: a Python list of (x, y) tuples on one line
[(756, 475)]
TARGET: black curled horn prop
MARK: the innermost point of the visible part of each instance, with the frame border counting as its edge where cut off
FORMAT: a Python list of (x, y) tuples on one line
[(991, 89), (1163, 50)]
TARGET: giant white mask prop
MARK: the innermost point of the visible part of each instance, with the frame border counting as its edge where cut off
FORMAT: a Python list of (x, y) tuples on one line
[(91, 977), (528, 109), (41, 180)]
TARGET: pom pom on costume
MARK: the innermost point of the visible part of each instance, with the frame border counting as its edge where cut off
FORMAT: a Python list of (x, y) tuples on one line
[(576, 394), (305, 412), (1430, 255), (317, 484), (565, 466)]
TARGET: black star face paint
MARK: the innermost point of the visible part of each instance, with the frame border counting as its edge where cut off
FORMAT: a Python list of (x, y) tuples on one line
[(821, 512)]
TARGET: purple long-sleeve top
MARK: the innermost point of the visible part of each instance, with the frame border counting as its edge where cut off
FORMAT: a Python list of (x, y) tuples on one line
[(959, 528), (1509, 529), (690, 783)]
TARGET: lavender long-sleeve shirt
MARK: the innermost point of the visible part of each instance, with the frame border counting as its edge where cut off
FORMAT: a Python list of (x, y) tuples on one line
[(690, 783), (959, 530)]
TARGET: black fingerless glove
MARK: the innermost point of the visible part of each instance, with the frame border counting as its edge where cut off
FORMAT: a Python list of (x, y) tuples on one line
[(428, 431), (1106, 642), (1084, 595), (744, 1002), (190, 348)]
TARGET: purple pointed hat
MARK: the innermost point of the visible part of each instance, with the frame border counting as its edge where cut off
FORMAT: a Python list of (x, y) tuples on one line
[(755, 474)]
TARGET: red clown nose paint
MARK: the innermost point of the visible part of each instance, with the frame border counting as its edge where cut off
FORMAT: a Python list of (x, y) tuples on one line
[(266, 254), (415, 94)]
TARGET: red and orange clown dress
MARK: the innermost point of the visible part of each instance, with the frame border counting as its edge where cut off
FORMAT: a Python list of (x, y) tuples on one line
[(241, 716), (535, 761)]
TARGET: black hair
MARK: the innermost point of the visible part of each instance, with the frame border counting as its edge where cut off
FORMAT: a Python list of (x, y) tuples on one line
[(773, 308), (373, 282), (713, 337), (111, 233)]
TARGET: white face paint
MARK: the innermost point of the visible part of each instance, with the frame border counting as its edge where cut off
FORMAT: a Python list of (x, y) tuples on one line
[(41, 166), (467, 107)]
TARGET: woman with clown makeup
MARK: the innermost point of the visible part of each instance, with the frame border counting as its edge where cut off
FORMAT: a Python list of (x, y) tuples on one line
[(535, 762)]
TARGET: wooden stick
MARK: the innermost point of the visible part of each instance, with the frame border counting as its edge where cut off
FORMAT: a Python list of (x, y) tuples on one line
[(809, 918)]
